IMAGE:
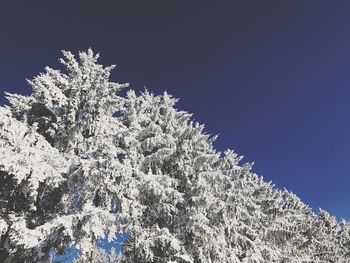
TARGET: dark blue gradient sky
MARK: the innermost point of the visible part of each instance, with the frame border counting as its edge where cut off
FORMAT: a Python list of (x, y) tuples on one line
[(271, 77)]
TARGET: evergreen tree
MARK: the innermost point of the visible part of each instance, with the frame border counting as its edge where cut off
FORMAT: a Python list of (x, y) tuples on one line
[(72, 174)]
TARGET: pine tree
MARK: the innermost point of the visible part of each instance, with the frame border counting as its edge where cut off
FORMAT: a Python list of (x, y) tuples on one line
[(72, 175), (72, 113)]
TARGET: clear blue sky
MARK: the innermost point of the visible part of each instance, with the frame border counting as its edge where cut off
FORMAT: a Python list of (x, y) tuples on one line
[(271, 77)]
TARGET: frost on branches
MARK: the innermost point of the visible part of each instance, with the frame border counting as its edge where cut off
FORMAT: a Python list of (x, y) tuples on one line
[(72, 175)]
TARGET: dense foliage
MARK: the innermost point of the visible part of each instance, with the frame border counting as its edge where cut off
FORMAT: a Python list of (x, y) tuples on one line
[(79, 164)]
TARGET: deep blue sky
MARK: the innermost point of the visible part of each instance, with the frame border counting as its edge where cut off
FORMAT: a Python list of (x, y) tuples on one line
[(271, 77)]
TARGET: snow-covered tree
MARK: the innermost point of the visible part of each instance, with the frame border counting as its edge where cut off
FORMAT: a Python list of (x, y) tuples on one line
[(72, 174), (72, 114)]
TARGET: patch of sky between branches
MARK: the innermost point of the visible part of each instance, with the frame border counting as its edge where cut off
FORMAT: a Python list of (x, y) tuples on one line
[(72, 253), (116, 243)]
